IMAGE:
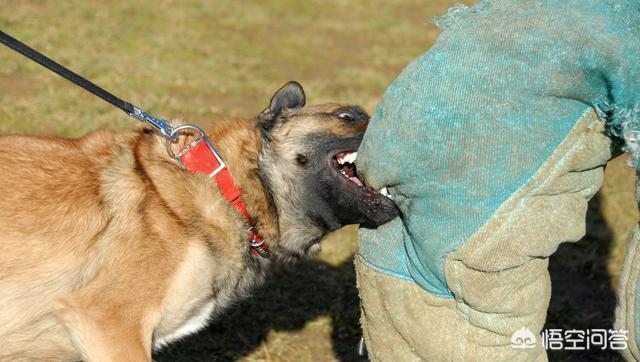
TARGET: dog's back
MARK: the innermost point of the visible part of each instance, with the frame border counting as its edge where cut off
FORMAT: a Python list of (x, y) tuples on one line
[(48, 213), (93, 247)]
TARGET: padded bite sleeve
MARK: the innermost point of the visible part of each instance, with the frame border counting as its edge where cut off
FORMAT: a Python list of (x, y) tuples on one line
[(491, 143)]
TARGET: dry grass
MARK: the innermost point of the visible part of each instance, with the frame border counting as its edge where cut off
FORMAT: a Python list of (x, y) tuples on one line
[(210, 60)]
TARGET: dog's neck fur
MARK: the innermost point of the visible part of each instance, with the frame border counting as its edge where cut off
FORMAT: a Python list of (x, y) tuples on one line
[(249, 157), (238, 142)]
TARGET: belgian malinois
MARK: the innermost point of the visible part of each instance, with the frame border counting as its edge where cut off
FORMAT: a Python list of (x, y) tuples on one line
[(108, 249)]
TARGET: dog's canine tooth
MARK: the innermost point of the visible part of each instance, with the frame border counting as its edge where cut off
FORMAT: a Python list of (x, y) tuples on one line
[(351, 157), (385, 192)]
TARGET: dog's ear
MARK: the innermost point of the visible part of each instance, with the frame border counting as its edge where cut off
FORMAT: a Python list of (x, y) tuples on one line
[(289, 97)]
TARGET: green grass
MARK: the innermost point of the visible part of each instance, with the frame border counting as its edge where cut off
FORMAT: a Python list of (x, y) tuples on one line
[(201, 60), (204, 61)]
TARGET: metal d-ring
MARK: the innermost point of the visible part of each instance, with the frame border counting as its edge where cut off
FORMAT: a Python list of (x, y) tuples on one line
[(175, 133)]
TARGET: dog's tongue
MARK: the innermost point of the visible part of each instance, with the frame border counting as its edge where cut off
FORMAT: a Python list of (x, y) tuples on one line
[(350, 171), (345, 161)]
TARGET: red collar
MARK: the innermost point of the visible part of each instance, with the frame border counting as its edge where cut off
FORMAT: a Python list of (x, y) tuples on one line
[(201, 157)]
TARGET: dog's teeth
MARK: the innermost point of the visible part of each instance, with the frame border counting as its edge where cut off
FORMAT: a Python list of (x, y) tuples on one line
[(385, 192), (351, 157), (340, 160), (356, 181)]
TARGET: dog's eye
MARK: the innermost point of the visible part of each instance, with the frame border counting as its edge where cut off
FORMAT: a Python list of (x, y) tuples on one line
[(302, 159), (346, 116)]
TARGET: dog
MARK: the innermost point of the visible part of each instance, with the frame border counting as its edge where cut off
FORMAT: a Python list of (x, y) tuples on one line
[(109, 250)]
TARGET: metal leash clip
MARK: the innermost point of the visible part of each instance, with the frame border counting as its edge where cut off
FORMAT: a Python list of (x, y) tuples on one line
[(161, 125)]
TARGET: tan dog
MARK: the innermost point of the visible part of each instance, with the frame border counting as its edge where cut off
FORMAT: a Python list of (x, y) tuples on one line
[(108, 249)]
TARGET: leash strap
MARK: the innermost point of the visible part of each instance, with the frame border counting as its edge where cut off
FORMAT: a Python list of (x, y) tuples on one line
[(161, 125), (198, 157)]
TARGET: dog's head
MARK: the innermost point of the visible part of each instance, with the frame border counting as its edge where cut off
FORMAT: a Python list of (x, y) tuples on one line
[(307, 161)]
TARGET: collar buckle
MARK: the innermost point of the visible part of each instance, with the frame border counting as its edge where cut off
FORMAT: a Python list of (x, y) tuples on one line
[(257, 243)]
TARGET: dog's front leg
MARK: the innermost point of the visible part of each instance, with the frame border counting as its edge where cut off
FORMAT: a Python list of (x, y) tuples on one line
[(111, 318), (102, 332), (100, 335)]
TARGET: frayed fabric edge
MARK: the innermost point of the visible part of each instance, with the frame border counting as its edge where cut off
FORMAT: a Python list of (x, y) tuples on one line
[(445, 21), (624, 124)]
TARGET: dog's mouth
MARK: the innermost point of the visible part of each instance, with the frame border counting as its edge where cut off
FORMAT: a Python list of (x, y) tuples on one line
[(344, 163), (354, 201)]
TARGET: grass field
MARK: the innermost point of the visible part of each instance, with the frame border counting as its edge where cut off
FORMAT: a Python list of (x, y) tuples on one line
[(203, 61)]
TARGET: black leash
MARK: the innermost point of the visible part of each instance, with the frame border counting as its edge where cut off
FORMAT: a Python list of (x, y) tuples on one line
[(161, 125)]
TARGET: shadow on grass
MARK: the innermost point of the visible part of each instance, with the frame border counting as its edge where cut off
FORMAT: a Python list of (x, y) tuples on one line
[(582, 296), (293, 296)]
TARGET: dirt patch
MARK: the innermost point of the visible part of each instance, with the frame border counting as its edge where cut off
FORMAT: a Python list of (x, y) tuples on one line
[(12, 85)]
